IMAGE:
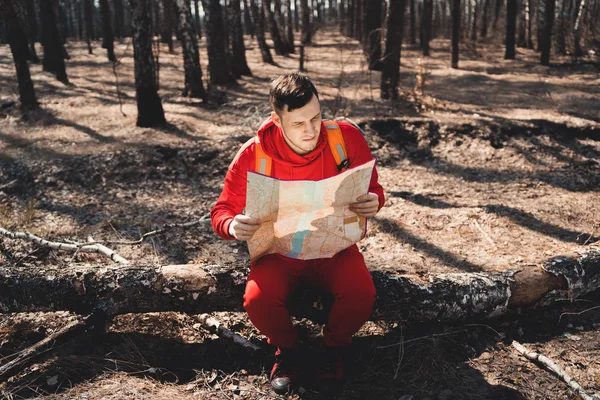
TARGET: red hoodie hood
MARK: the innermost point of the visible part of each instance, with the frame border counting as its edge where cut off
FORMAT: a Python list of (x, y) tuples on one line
[(274, 144)]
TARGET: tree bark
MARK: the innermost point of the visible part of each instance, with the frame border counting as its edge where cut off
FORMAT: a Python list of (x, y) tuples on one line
[(296, 16), (218, 64), (191, 57), (197, 18), (455, 11), (511, 24), (306, 28), (426, 21), (53, 48), (150, 110), (249, 28), (577, 29), (32, 31), (372, 39), (546, 43), (290, 27), (240, 65), (206, 288), (474, 22), (413, 23), (119, 18), (18, 46), (497, 14), (165, 23), (561, 31), (343, 17), (259, 24), (273, 28), (89, 23), (390, 75), (484, 18), (108, 38)]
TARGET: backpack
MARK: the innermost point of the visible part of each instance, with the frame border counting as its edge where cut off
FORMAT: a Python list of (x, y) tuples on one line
[(336, 144)]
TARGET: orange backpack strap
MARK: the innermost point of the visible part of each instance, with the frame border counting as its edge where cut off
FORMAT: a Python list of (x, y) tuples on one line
[(337, 144), (263, 161)]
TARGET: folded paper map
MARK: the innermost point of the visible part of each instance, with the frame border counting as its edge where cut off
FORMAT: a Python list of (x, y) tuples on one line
[(306, 219)]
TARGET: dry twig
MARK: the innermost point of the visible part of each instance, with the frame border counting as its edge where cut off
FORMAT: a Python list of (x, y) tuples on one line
[(549, 364), (84, 248), (213, 325)]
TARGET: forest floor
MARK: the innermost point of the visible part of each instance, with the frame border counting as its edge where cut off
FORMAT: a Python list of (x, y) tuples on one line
[(492, 166)]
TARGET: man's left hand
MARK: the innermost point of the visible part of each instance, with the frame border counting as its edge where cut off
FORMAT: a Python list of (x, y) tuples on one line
[(366, 205)]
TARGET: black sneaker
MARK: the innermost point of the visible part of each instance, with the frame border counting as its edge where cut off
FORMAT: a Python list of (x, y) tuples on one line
[(285, 370)]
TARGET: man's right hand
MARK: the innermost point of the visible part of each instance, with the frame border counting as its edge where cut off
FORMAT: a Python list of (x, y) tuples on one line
[(243, 227)]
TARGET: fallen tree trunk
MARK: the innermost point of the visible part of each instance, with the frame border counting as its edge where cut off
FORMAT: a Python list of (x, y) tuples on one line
[(196, 289)]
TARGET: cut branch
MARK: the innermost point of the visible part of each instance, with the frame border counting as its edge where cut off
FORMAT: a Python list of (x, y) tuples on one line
[(213, 325), (84, 248), (549, 364)]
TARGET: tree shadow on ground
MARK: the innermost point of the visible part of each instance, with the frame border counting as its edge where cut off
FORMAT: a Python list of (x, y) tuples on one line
[(520, 217)]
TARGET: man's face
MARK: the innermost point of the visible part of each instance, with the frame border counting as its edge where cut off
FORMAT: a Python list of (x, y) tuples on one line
[(301, 127)]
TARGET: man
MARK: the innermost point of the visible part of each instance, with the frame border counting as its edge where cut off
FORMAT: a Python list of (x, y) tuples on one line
[(295, 138)]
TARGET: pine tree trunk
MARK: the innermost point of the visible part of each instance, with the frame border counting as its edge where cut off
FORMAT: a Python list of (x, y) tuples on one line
[(561, 31), (189, 47), (218, 64), (248, 24), (32, 31), (278, 44), (198, 24), (528, 23), (426, 20), (306, 28), (296, 16), (290, 27), (53, 48), (259, 25), (119, 19), (577, 29), (343, 17), (18, 46), (372, 39), (89, 23), (150, 110), (413, 23), (484, 18), (390, 75), (359, 15), (474, 22), (546, 44), (165, 23), (497, 14), (240, 65), (511, 24), (455, 11), (108, 39)]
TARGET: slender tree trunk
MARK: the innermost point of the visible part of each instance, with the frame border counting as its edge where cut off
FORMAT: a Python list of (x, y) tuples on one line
[(474, 22), (259, 24), (248, 24), (197, 18), (455, 11), (343, 17), (359, 16), (426, 20), (273, 28), (119, 19), (89, 23), (53, 48), (390, 75), (32, 31), (108, 39), (150, 110), (577, 30), (290, 27), (218, 64), (18, 46), (528, 24), (413, 23), (165, 23), (511, 24), (240, 65), (191, 57), (372, 31), (306, 28), (563, 20), (279, 23), (546, 44), (484, 18), (296, 16), (497, 14)]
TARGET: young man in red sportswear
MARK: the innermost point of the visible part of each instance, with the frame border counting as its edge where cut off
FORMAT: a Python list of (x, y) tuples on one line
[(296, 140)]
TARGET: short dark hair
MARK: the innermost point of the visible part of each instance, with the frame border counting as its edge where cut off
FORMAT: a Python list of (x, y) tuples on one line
[(295, 90)]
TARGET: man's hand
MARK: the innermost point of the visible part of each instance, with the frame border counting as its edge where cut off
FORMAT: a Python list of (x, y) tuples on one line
[(366, 205), (243, 227)]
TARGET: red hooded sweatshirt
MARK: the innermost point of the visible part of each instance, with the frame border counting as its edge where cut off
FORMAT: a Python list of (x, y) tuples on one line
[(316, 165)]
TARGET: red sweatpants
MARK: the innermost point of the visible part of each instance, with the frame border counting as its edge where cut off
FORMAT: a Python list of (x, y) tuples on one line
[(345, 275)]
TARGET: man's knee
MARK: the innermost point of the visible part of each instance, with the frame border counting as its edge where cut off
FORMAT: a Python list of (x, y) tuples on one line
[(257, 298), (361, 293)]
